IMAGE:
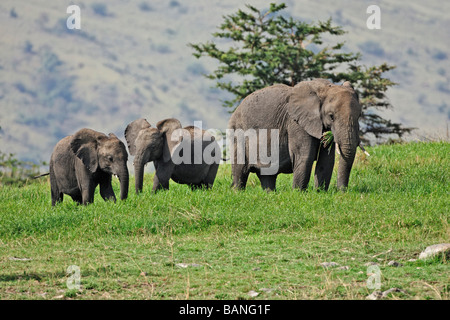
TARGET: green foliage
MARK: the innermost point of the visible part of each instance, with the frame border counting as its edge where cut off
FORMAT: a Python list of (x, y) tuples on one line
[(268, 48), (327, 139), (16, 172)]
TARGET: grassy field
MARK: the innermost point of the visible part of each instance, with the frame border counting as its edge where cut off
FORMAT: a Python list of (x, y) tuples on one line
[(226, 244)]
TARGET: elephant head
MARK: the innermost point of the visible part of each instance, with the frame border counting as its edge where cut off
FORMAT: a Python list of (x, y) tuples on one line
[(150, 144), (320, 106), (98, 151)]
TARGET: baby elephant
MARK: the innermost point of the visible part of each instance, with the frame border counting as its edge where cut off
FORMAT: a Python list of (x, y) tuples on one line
[(84, 160), (186, 155)]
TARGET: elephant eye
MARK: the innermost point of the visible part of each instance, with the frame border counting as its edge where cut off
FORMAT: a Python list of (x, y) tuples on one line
[(332, 117), (110, 158)]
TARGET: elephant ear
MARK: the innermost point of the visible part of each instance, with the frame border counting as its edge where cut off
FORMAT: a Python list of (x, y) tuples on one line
[(304, 108), (132, 132), (149, 144), (172, 136), (84, 144)]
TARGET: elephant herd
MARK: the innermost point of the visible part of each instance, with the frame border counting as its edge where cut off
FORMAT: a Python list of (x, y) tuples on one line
[(299, 116)]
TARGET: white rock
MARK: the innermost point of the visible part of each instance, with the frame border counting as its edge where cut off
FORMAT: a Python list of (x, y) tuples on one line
[(435, 249)]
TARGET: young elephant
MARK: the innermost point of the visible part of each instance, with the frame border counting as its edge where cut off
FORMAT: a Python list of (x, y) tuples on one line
[(175, 153), (84, 160)]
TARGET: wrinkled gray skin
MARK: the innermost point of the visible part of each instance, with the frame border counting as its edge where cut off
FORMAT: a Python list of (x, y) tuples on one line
[(155, 144), (84, 160), (302, 113)]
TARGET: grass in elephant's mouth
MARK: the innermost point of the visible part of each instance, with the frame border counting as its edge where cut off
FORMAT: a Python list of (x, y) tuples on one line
[(327, 139), (221, 244)]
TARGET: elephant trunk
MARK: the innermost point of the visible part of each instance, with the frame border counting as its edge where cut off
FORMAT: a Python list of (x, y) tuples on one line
[(124, 182), (345, 165), (138, 175), (347, 147)]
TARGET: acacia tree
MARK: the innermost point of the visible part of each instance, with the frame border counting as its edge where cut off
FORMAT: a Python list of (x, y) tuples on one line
[(268, 48)]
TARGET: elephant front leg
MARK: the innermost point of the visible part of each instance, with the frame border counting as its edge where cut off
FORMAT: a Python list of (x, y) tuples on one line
[(106, 189), (302, 172), (87, 194), (160, 183), (87, 190), (162, 176), (324, 167)]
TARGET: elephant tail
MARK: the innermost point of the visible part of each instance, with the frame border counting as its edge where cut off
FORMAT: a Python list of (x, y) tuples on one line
[(41, 175)]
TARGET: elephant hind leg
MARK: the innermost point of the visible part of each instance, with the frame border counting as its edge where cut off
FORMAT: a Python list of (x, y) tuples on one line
[(240, 174), (268, 183), (211, 176), (56, 195), (77, 198)]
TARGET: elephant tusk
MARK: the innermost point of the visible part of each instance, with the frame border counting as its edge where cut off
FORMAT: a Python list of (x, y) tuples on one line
[(337, 149), (362, 148)]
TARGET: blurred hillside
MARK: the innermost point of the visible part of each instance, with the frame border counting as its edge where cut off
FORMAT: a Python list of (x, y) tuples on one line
[(130, 59)]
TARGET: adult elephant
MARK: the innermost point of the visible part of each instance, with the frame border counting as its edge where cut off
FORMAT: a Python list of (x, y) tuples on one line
[(301, 114), (186, 155), (81, 162)]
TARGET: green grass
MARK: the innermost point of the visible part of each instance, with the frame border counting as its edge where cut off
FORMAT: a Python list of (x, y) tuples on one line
[(236, 241)]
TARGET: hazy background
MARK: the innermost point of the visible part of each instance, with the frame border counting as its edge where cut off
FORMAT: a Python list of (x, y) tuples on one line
[(130, 60)]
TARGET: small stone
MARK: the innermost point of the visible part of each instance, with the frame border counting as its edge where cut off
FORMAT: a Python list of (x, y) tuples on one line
[(435, 249), (327, 265), (377, 295), (412, 260), (182, 265), (253, 294), (385, 293), (19, 259), (394, 264), (266, 290), (344, 268), (185, 265)]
